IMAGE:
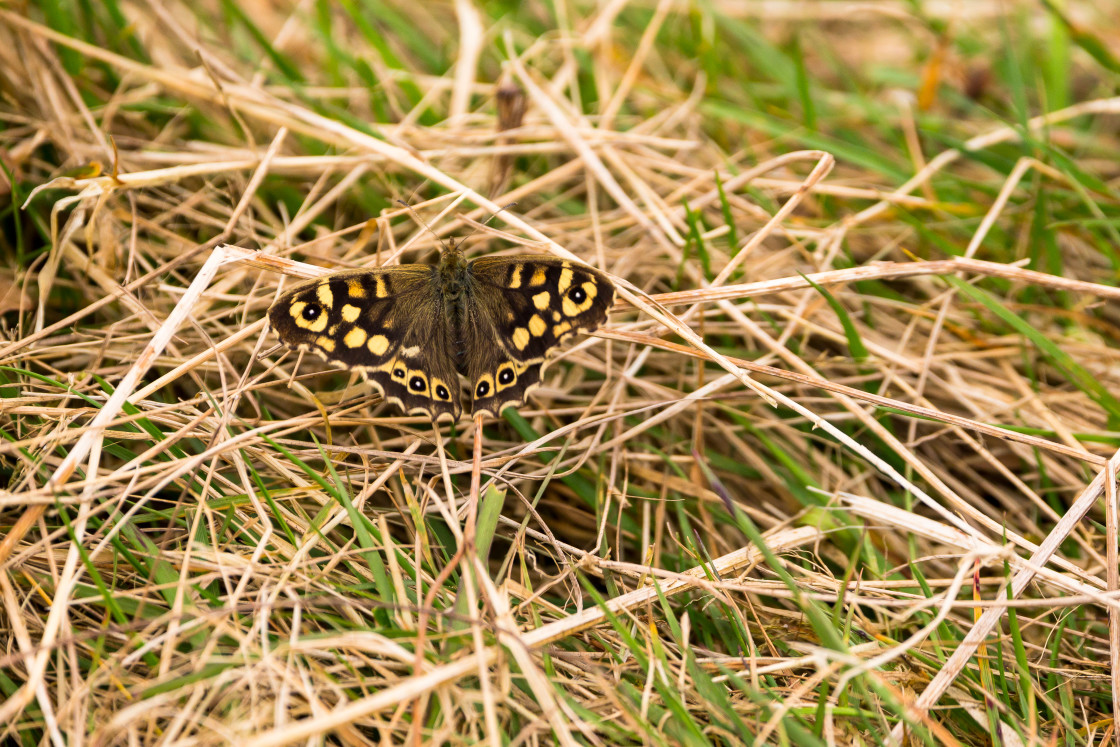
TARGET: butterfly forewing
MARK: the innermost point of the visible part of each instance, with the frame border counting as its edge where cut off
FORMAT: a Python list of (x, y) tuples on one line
[(529, 305), (388, 323)]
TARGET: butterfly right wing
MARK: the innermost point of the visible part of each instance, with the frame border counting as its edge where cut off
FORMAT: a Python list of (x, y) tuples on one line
[(521, 309), (387, 323)]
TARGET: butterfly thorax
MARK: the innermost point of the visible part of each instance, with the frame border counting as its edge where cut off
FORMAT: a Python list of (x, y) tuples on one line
[(452, 270)]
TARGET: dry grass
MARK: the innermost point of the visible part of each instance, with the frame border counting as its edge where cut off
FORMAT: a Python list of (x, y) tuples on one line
[(840, 468)]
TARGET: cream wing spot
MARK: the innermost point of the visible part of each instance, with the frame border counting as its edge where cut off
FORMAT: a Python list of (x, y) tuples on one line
[(355, 289), (539, 276), (411, 351), (378, 344), (351, 313), (379, 290), (521, 338), (515, 278), (541, 300), (326, 343), (537, 326), (565, 279), (561, 329), (355, 338), (323, 293)]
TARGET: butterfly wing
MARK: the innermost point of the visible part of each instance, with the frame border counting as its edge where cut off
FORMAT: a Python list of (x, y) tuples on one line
[(388, 323), (530, 304)]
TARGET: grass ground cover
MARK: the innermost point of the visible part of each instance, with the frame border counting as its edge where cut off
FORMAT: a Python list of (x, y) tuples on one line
[(839, 469)]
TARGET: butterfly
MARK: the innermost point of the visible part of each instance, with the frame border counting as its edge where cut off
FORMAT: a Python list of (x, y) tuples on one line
[(412, 329)]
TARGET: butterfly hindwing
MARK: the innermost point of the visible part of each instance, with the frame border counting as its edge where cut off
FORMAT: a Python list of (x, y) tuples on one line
[(528, 305), (388, 323), (497, 379)]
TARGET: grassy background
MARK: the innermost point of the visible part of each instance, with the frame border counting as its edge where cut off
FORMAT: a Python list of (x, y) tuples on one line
[(902, 218)]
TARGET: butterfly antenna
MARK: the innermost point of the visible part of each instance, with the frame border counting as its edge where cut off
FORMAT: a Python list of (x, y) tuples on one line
[(462, 240), (479, 226), (505, 207), (421, 221)]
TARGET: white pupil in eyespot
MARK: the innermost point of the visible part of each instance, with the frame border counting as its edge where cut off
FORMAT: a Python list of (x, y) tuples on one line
[(310, 312), (417, 383), (577, 295), (483, 388), (506, 376)]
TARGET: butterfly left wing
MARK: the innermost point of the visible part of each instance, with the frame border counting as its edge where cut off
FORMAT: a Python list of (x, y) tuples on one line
[(387, 323), (529, 304)]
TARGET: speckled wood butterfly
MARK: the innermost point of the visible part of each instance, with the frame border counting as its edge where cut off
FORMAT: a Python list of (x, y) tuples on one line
[(412, 329)]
